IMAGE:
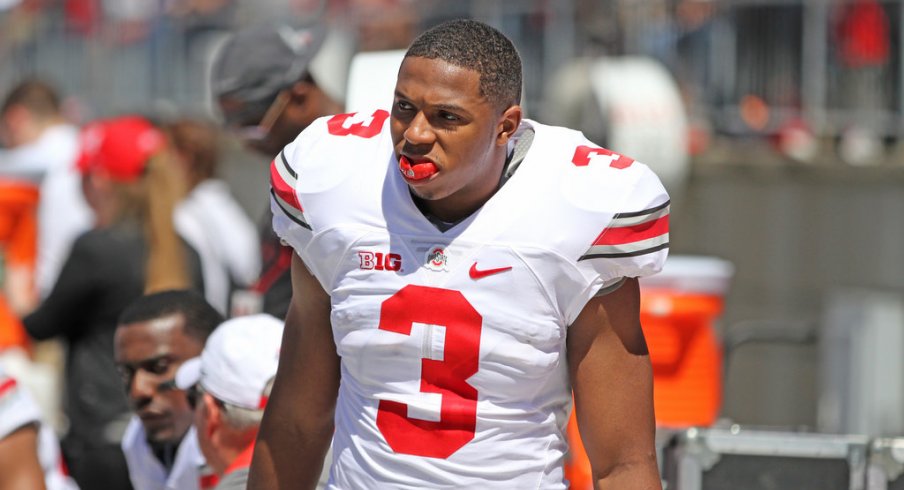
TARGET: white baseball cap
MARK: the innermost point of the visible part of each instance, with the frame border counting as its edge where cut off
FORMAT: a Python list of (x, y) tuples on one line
[(238, 360)]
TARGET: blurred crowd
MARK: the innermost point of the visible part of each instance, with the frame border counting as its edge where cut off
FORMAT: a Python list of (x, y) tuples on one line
[(813, 83)]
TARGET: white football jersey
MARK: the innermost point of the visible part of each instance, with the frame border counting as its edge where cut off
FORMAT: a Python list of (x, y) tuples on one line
[(452, 344), (146, 472), (18, 409)]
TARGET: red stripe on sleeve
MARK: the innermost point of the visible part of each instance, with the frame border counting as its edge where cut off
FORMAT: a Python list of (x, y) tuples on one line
[(635, 233), (282, 189), (7, 385)]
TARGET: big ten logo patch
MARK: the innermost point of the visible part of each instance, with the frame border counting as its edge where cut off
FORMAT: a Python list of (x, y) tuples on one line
[(379, 261)]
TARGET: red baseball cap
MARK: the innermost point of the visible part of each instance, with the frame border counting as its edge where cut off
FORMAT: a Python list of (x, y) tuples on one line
[(121, 146)]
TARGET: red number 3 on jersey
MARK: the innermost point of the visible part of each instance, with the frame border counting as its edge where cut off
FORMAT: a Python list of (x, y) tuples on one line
[(336, 125), (583, 153), (458, 412)]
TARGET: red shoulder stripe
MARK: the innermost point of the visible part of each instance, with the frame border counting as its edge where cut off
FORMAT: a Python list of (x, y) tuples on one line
[(283, 189), (635, 233)]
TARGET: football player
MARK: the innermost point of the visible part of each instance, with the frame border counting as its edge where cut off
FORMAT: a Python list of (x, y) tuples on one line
[(459, 271)]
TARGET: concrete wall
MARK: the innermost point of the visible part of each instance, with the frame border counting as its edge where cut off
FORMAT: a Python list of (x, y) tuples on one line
[(795, 233)]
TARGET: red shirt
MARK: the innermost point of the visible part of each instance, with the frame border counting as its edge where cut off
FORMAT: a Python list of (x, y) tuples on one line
[(863, 34), (243, 460)]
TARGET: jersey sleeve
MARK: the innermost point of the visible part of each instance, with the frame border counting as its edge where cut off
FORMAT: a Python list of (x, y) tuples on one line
[(17, 408), (635, 242), (289, 220), (315, 181)]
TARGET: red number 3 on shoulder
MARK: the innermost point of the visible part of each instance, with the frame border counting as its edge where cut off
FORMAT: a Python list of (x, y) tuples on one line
[(364, 127), (583, 156), (448, 377)]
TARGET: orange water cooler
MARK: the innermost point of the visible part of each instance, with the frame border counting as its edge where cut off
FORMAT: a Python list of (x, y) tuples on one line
[(678, 310)]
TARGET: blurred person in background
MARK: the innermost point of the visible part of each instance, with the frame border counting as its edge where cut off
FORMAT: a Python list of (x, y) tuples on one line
[(21, 23), (129, 21), (382, 25), (209, 218), (266, 83), (43, 211), (156, 334), (41, 146), (29, 450), (19, 463), (132, 186), (18, 250), (229, 384), (863, 49)]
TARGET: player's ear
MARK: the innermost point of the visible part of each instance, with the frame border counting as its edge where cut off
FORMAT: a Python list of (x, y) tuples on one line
[(508, 124)]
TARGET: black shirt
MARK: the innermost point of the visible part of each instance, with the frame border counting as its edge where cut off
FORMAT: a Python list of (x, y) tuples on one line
[(105, 271)]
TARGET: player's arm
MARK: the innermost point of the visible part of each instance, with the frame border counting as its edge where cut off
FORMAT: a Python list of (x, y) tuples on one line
[(19, 466), (612, 381), (297, 427)]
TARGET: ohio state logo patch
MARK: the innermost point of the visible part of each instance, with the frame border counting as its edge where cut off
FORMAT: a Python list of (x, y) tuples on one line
[(436, 259)]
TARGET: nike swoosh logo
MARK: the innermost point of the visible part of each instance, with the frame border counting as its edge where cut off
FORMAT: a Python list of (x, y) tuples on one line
[(480, 274)]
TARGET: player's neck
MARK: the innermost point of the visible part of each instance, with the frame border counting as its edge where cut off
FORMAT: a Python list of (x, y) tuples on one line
[(449, 211), (439, 223)]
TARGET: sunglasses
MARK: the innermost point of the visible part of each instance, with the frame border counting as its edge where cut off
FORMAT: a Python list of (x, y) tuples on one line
[(193, 396), (260, 131)]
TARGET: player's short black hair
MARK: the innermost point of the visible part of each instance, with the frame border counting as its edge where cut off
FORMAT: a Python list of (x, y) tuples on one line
[(200, 317), (471, 44)]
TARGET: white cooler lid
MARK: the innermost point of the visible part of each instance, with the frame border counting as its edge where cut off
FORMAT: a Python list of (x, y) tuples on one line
[(693, 274)]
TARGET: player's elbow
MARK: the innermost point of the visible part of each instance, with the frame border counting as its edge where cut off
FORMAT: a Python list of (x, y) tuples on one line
[(297, 417), (281, 420), (636, 472)]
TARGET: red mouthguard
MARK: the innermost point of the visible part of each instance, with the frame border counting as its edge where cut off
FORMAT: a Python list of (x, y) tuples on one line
[(418, 171)]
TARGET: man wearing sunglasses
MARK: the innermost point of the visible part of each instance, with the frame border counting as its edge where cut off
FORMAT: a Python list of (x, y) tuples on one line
[(154, 336), (270, 82), (228, 386)]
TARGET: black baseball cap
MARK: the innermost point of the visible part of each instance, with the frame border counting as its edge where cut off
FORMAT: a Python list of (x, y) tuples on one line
[(254, 64)]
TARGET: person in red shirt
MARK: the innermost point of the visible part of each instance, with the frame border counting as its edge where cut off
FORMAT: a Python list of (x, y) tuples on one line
[(863, 48), (18, 250)]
